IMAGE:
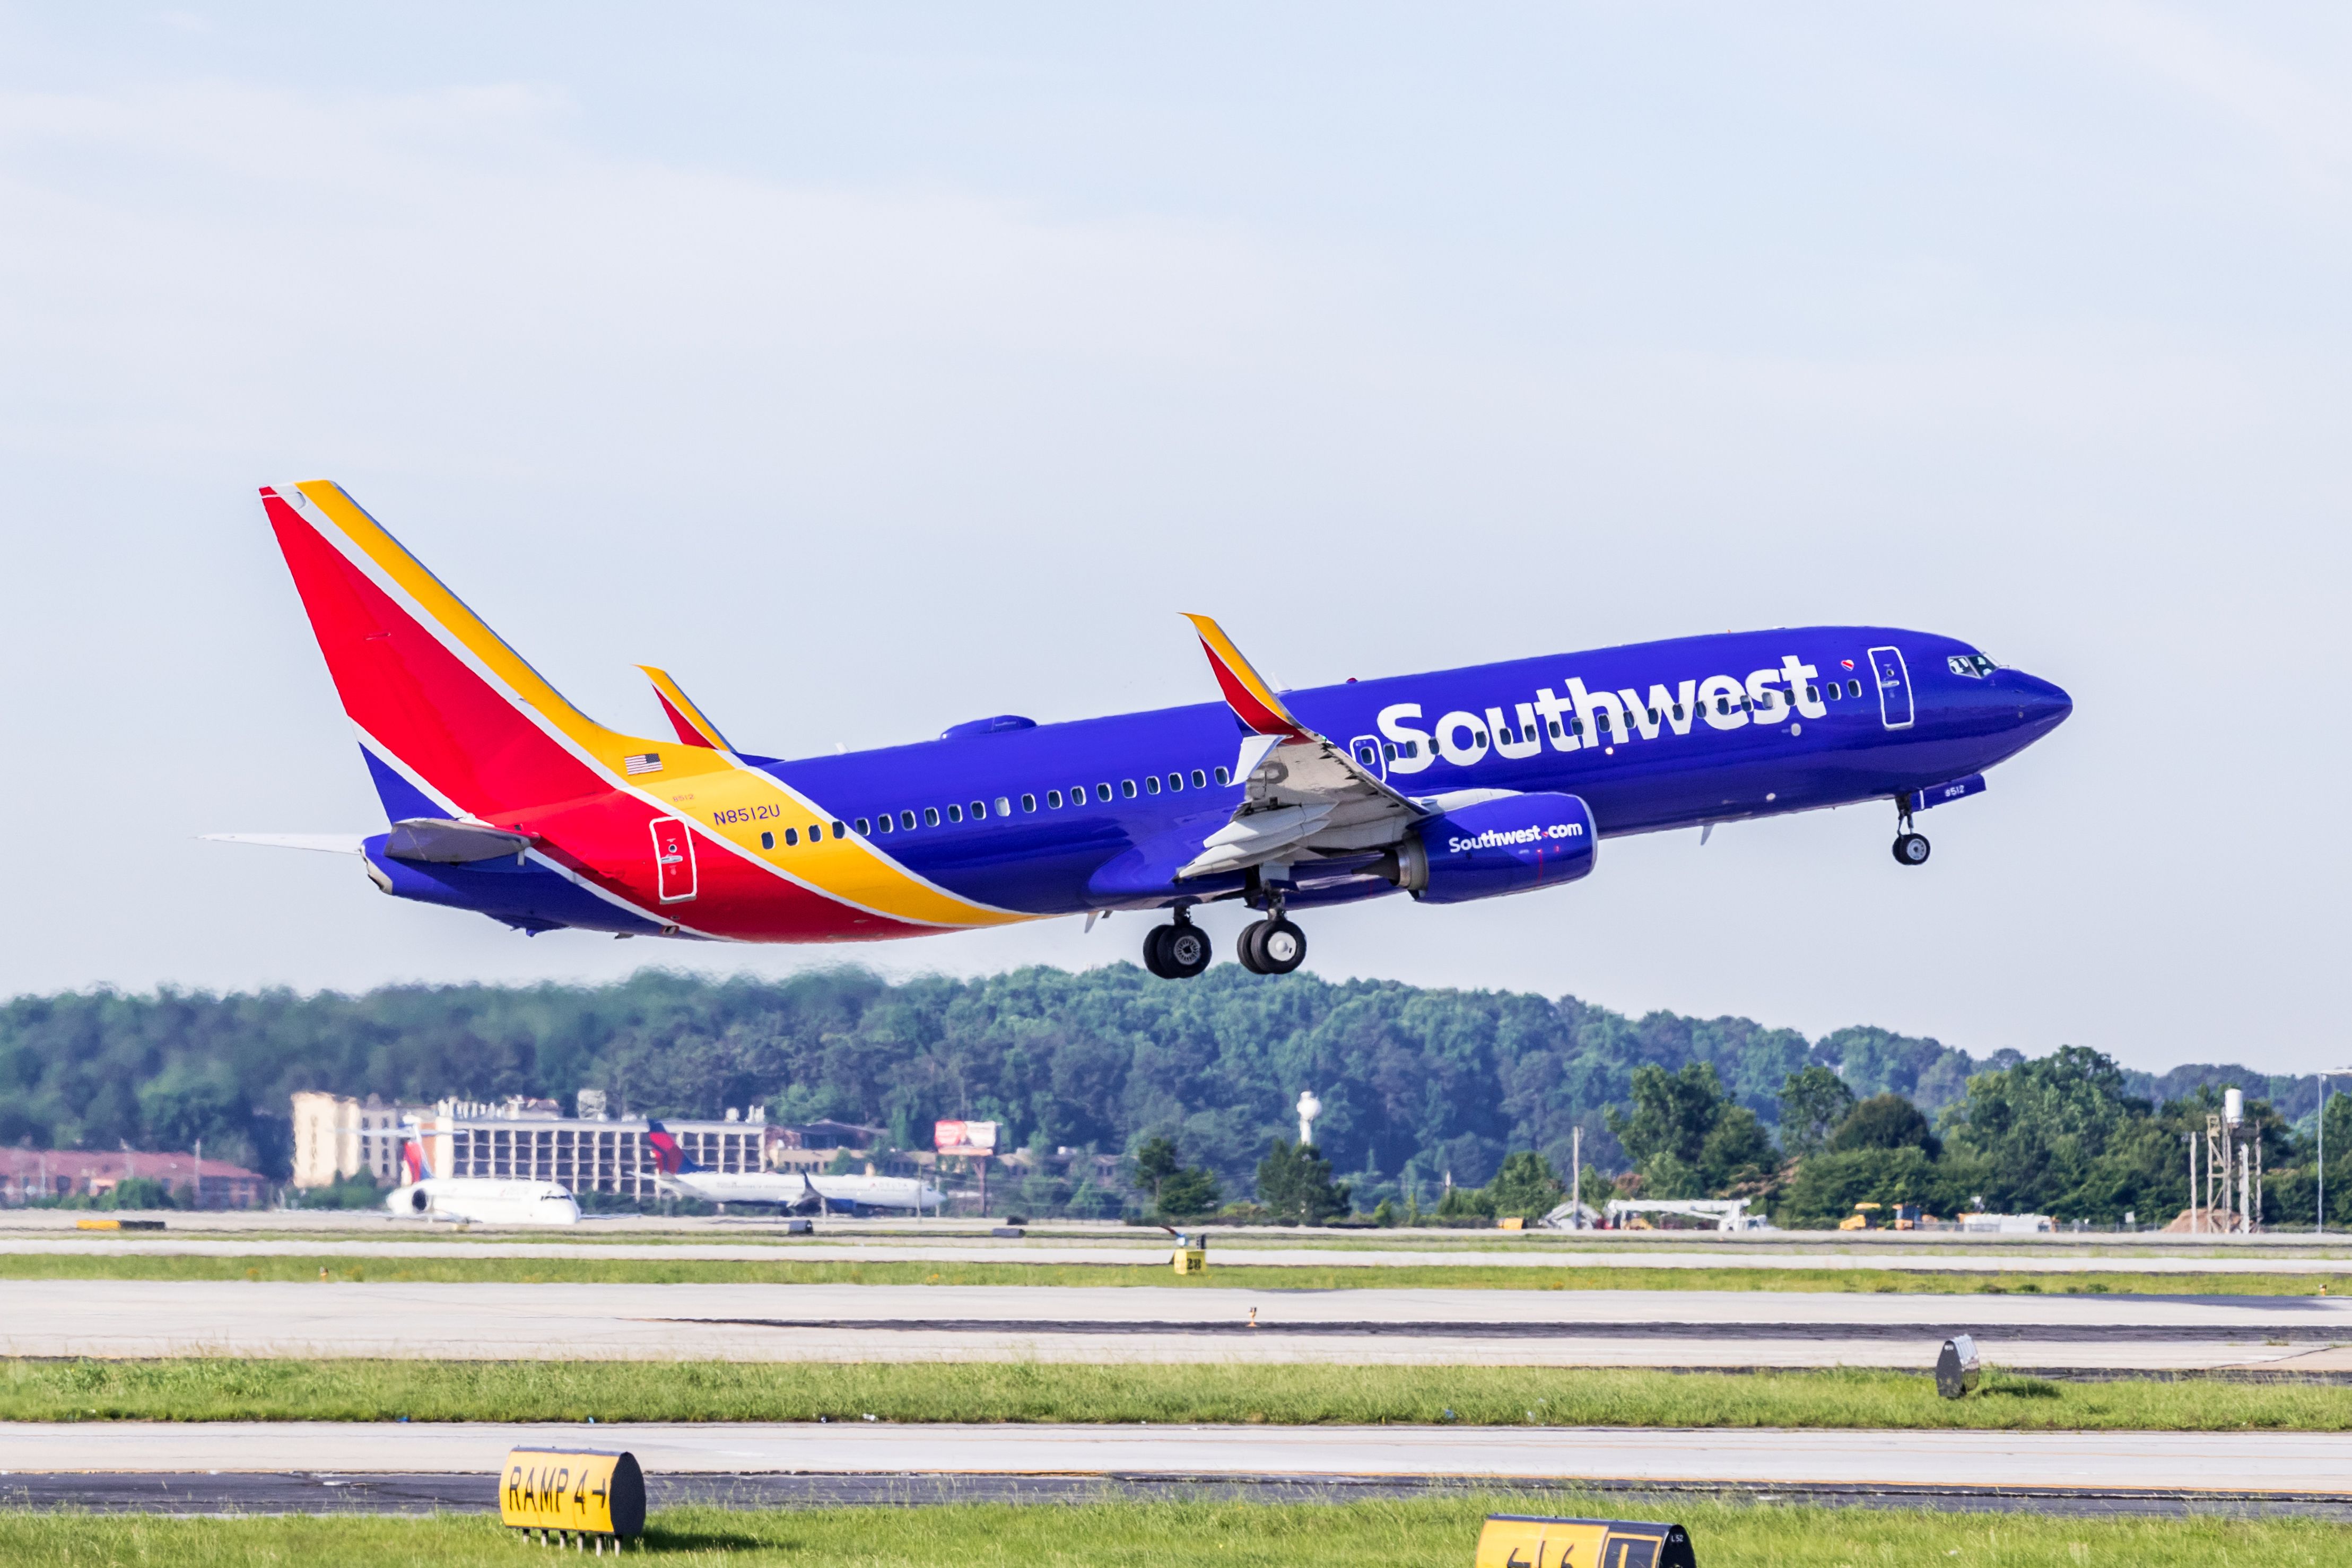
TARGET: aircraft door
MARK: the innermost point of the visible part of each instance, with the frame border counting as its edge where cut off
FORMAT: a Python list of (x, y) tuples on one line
[(673, 859), (1366, 750), (1894, 678)]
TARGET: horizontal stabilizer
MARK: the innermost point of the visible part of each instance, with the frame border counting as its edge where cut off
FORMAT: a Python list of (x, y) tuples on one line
[(441, 842), (331, 843)]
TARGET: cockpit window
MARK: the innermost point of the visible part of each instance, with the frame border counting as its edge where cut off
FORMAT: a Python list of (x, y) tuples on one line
[(1975, 666)]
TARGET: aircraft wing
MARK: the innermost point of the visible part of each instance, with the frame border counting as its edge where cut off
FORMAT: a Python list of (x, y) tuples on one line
[(1306, 796)]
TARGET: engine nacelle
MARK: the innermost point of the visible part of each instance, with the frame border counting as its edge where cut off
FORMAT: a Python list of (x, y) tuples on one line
[(1498, 847)]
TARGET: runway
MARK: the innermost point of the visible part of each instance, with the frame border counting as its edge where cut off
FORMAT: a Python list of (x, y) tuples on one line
[(328, 1491), (120, 1318), (409, 1242), (2309, 1465)]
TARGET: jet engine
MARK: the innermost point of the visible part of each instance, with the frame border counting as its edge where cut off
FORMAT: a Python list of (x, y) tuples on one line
[(1495, 846)]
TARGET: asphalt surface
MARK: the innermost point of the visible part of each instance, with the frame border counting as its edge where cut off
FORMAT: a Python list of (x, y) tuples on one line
[(326, 1492), (927, 1461), (398, 1239), (129, 1318)]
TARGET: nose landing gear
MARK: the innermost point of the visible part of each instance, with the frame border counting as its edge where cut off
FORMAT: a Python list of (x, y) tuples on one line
[(1910, 848), (1178, 950)]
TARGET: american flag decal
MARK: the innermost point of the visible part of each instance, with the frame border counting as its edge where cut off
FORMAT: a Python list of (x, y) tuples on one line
[(649, 763)]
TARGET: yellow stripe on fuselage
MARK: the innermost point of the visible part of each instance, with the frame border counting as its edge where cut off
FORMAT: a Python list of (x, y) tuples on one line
[(695, 782)]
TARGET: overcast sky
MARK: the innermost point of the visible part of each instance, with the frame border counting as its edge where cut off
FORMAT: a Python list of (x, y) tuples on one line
[(876, 368)]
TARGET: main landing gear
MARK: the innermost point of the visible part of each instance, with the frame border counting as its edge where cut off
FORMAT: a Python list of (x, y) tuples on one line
[(1178, 950), (1271, 946), (1910, 848)]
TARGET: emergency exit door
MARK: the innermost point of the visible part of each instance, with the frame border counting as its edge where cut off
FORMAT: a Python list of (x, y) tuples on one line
[(673, 860), (1894, 687)]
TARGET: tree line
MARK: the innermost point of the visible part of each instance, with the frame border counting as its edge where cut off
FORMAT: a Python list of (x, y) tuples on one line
[(1426, 1092)]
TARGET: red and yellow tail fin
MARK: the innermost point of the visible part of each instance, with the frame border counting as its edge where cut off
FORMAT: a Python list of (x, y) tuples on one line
[(436, 693)]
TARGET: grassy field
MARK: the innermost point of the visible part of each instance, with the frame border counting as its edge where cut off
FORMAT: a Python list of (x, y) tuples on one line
[(230, 1389), (1419, 1533), (1566, 1276)]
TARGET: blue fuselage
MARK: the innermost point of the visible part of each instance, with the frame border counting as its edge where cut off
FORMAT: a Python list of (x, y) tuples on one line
[(1653, 735)]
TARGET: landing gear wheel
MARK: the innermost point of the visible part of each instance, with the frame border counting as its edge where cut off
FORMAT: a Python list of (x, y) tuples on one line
[(1245, 948), (1278, 946), (1184, 950), (1155, 952), (1911, 848)]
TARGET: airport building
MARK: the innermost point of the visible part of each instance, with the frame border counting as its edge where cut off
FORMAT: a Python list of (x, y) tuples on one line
[(337, 1137), (29, 1175), (522, 1138)]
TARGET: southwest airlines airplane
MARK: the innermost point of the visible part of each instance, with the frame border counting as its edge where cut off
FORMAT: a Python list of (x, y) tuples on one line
[(1464, 784)]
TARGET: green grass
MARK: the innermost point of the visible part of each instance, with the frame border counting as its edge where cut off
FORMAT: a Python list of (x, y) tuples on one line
[(1565, 1277), (231, 1389), (1415, 1533)]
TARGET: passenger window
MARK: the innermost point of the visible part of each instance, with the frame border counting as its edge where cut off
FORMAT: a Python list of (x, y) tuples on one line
[(907, 820), (1152, 784), (1127, 788), (1853, 689), (866, 827), (1201, 780), (886, 821), (1102, 792), (979, 811), (1224, 775), (767, 841), (840, 830), (1175, 783), (791, 836), (1053, 800), (955, 813), (930, 816), (1028, 802), (1388, 748), (816, 833)]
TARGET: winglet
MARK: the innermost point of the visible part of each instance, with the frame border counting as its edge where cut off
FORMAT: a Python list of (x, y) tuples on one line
[(692, 728), (1246, 691)]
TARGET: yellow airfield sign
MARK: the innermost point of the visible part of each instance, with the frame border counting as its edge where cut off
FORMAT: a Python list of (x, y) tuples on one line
[(1521, 1541), (582, 1491)]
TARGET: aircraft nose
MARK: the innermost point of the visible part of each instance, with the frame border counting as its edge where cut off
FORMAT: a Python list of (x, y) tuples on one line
[(2041, 704)]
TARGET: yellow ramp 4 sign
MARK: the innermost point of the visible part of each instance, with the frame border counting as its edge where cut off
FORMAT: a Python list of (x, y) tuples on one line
[(582, 1491), (1521, 1541)]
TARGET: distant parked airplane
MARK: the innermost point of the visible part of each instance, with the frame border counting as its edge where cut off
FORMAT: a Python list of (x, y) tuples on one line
[(475, 1200), (1453, 786), (678, 1173)]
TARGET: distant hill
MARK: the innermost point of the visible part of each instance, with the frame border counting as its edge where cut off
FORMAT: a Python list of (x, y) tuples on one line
[(1416, 1084)]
